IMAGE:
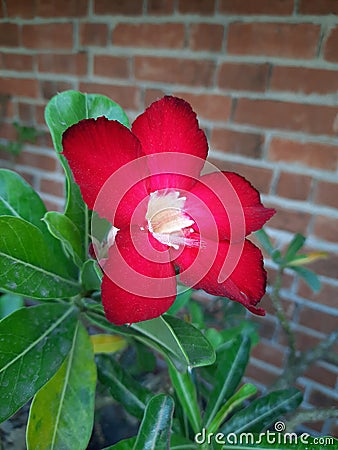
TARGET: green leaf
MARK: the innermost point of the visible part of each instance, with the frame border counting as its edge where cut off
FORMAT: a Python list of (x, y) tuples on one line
[(33, 344), (125, 389), (310, 278), (26, 265), (62, 413), (126, 444), (154, 432), (10, 303), (197, 315), (263, 411), (295, 245), (18, 199), (90, 275), (265, 241), (231, 362), (182, 299), (186, 393), (181, 342)]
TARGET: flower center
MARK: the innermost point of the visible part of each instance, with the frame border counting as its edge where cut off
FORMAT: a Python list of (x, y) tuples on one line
[(166, 218)]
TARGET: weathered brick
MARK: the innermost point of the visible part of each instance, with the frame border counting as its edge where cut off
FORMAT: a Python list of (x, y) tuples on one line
[(26, 112), (294, 186), (191, 72), (259, 374), (327, 295), (160, 7), (326, 193), (61, 8), (322, 375), (318, 7), (200, 7), (327, 266), (73, 64), (243, 76), (317, 320), (95, 34), (123, 7), (236, 142), (9, 35), (52, 187), (152, 95), (208, 106), (330, 46), (21, 8), (289, 220), (17, 61), (52, 206), (311, 154), (304, 80), (206, 36), (49, 88), (259, 177), (266, 7), (164, 35), (25, 87), (269, 353), (126, 96), (309, 118), (296, 40), (43, 162), (48, 36), (111, 66), (326, 228)]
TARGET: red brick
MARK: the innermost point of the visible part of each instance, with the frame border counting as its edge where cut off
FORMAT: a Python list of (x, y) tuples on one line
[(326, 193), (293, 186), (7, 132), (164, 35), (260, 374), (269, 353), (326, 267), (243, 76), (93, 34), (52, 187), (111, 66), (274, 39), (318, 398), (266, 326), (125, 7), (160, 6), (152, 95), (326, 228), (9, 35), (304, 80), (318, 7), (259, 177), (191, 72), (331, 47), (317, 320), (61, 8), (26, 112), (321, 375), (44, 162), (21, 8), (25, 87), (230, 141), (288, 220), (309, 118), (49, 88), (311, 154), (52, 206), (73, 64), (266, 7), (206, 36), (327, 295), (48, 36), (17, 61), (126, 96), (208, 106), (199, 7)]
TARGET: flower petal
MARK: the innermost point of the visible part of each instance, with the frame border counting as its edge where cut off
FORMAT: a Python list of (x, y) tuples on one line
[(242, 265), (95, 149), (229, 202), (170, 125), (139, 281)]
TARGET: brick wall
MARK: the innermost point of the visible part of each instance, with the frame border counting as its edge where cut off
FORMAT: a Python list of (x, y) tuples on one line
[(262, 76)]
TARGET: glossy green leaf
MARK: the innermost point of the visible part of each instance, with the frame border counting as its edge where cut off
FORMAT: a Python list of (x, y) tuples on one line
[(62, 413), (26, 265), (63, 229), (178, 442), (263, 411), (33, 344), (265, 241), (125, 389), (310, 278), (295, 245), (10, 303), (197, 315), (91, 275), (186, 393), (230, 366), (18, 199), (126, 444), (154, 432), (180, 341)]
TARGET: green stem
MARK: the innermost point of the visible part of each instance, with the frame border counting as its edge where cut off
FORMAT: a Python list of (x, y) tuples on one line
[(312, 415)]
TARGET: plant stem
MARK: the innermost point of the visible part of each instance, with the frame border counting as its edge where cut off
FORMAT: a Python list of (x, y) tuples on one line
[(312, 415)]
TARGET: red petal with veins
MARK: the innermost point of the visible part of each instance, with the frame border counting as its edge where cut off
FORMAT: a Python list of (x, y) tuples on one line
[(170, 125), (201, 268), (95, 149), (139, 281), (230, 204)]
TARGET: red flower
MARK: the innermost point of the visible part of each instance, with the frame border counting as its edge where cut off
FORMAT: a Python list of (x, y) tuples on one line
[(147, 183)]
